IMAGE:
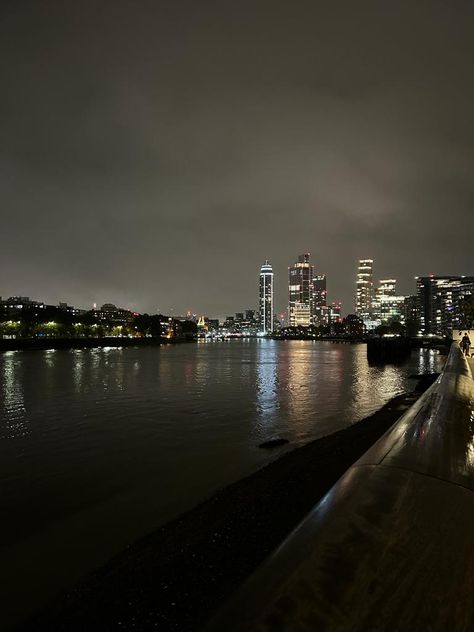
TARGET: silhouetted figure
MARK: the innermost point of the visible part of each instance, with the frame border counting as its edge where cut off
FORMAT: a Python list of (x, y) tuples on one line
[(465, 344)]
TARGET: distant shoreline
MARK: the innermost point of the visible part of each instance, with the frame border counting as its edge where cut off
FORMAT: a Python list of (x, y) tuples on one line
[(176, 577), (25, 344)]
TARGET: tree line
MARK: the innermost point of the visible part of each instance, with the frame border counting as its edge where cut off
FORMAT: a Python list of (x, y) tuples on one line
[(56, 322)]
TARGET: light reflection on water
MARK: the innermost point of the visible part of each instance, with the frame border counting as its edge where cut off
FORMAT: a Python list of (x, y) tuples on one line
[(14, 412), (267, 384), (130, 437)]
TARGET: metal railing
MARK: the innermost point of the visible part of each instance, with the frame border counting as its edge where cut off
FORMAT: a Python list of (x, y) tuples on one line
[(391, 545)]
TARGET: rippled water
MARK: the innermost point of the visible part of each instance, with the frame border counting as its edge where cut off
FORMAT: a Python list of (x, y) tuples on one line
[(99, 446)]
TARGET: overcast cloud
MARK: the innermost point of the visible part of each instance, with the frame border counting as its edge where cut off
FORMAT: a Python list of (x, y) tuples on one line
[(153, 154)]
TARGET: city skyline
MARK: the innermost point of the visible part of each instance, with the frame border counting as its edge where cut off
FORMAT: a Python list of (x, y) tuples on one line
[(439, 305), (183, 306), (280, 305), (344, 131)]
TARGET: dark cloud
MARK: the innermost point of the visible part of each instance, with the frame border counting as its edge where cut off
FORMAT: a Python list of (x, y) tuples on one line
[(153, 154)]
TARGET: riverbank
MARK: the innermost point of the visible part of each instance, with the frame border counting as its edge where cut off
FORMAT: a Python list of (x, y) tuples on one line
[(177, 576)]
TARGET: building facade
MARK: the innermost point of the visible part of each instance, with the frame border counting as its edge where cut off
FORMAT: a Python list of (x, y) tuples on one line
[(388, 306), (266, 298), (365, 290), (109, 313), (319, 300), (16, 305), (411, 313), (300, 292), (440, 300)]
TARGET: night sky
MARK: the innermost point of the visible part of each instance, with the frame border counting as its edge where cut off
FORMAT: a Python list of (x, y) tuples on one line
[(154, 154)]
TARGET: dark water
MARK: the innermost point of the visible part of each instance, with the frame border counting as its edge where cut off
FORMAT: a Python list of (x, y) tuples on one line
[(99, 446)]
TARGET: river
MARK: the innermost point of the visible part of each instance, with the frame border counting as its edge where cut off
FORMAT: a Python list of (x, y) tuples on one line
[(100, 446)]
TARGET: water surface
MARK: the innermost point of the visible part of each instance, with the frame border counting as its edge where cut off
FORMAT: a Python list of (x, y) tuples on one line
[(100, 446)]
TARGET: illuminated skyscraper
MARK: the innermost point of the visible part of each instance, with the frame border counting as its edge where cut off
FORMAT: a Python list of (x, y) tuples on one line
[(364, 289), (319, 312), (440, 300), (266, 298), (300, 279), (387, 305), (319, 290)]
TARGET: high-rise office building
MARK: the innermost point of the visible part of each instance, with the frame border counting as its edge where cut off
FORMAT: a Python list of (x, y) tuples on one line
[(440, 299), (387, 305), (364, 290), (266, 298), (411, 315), (319, 312), (300, 278)]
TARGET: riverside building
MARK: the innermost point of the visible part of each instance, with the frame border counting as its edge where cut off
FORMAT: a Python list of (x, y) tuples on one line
[(266, 298), (439, 302)]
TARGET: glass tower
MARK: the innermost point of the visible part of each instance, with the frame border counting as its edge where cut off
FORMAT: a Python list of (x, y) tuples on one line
[(440, 300), (365, 289), (319, 315), (300, 294), (266, 298)]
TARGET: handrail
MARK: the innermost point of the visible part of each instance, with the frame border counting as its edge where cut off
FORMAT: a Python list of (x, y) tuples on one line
[(391, 545)]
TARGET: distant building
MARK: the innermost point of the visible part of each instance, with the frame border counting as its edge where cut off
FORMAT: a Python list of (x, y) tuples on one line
[(388, 306), (250, 323), (411, 311), (300, 315), (335, 312), (213, 324), (229, 324), (319, 290), (20, 301), (300, 292), (266, 298), (74, 311), (354, 326), (16, 305), (365, 290), (203, 324), (321, 316), (319, 311), (387, 287), (439, 302), (111, 314)]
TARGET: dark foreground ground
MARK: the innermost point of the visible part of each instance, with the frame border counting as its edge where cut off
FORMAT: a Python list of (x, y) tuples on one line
[(176, 577)]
